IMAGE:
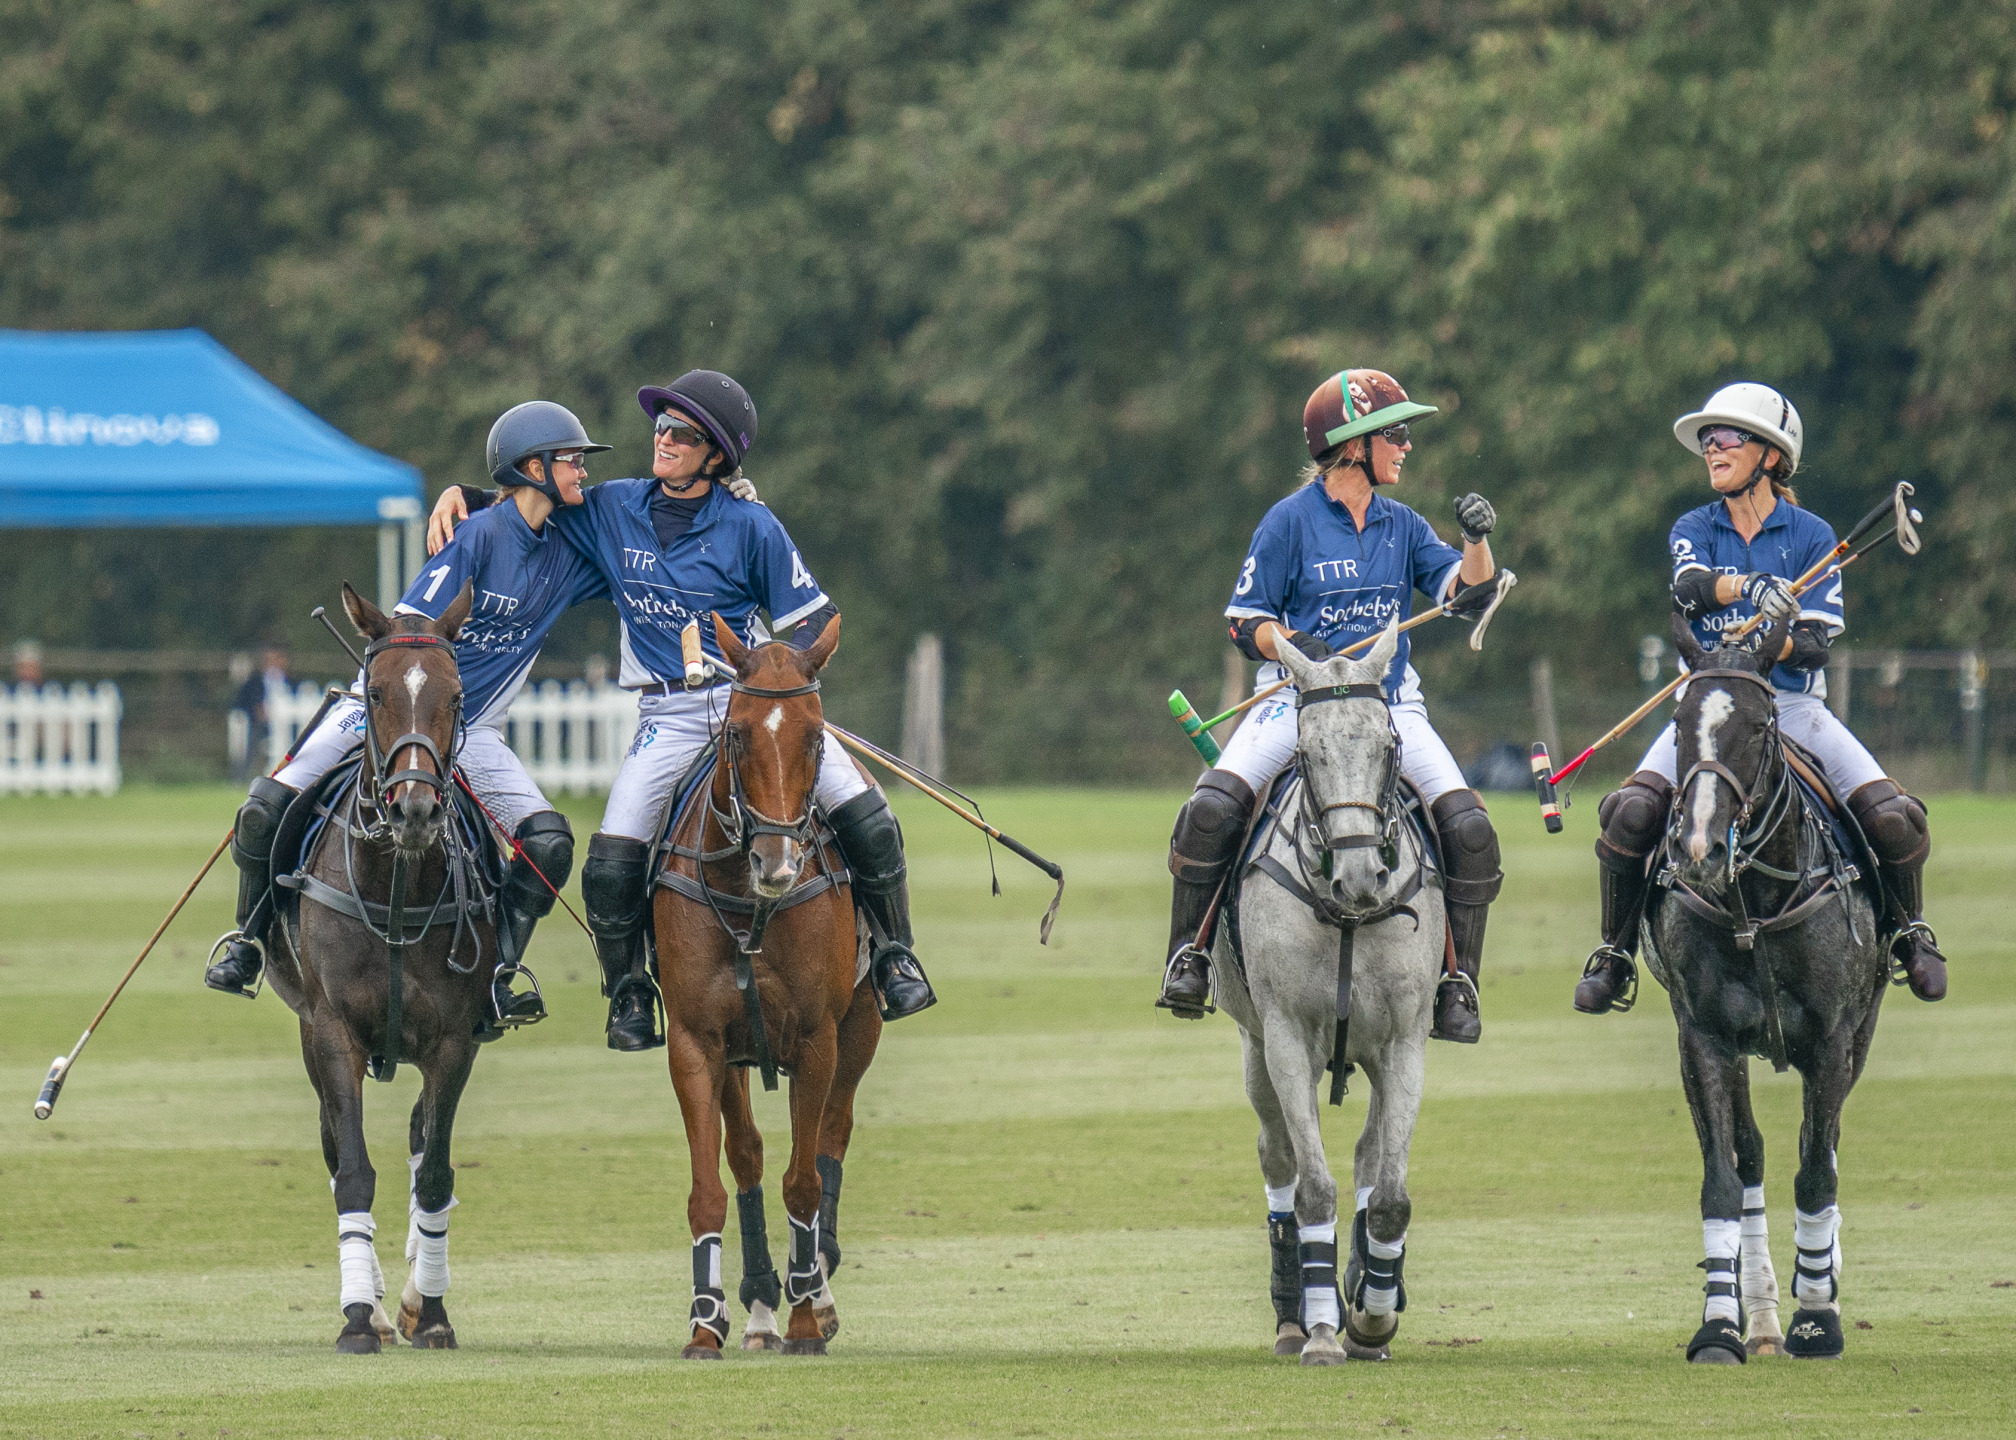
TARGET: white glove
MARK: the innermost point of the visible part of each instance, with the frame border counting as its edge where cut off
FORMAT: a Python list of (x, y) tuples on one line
[(1772, 597), (741, 487)]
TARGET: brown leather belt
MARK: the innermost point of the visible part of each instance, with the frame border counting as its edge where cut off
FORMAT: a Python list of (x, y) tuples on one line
[(660, 687)]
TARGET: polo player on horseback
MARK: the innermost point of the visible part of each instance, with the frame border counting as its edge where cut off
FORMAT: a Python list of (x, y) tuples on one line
[(672, 549), (1329, 565), (524, 579), (1732, 559)]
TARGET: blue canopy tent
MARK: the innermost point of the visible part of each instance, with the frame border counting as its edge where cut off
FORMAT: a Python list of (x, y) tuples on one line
[(168, 428)]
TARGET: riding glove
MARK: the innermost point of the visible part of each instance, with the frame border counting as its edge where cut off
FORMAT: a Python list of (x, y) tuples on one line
[(1310, 645), (1475, 515), (1770, 596)]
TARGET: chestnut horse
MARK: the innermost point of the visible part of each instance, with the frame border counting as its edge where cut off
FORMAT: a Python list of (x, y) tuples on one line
[(758, 960)]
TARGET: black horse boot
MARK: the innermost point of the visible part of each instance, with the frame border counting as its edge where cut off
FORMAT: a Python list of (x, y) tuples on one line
[(1202, 848), (1894, 824), (1633, 816), (1471, 882), (615, 890), (252, 852), (540, 866), (871, 842)]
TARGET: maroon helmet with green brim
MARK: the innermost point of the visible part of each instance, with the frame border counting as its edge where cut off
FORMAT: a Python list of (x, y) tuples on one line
[(1352, 403)]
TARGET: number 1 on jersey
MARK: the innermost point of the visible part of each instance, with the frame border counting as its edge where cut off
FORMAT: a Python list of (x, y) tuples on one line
[(436, 576)]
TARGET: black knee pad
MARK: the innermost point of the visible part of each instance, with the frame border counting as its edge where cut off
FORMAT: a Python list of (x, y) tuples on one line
[(1209, 827), (613, 883), (1633, 817), (259, 821), (1469, 848), (1894, 822), (546, 846), (871, 840)]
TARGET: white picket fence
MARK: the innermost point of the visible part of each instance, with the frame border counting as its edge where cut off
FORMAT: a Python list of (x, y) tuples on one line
[(570, 735), (59, 738)]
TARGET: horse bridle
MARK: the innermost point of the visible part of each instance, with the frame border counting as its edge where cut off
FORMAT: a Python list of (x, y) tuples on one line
[(742, 823), (1743, 836), (381, 783), (1385, 810)]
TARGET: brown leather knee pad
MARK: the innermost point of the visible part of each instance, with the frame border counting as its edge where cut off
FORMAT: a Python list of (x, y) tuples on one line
[(1209, 827), (1893, 821), (1634, 817), (1469, 848)]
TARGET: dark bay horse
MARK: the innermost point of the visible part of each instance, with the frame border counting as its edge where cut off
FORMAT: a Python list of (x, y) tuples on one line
[(380, 897), (759, 963), (1767, 947)]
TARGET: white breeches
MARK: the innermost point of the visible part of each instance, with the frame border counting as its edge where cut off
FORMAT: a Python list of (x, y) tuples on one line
[(1264, 744), (492, 768), (671, 730), (1808, 722)]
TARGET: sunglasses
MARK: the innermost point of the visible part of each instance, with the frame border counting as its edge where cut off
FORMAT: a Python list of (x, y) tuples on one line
[(1395, 435), (577, 458), (679, 432), (1723, 437)]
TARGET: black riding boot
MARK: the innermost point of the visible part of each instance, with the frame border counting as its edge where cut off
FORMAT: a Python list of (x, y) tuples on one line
[(1894, 824), (1633, 816), (544, 860), (252, 851), (871, 842), (1202, 848), (615, 892), (1472, 882)]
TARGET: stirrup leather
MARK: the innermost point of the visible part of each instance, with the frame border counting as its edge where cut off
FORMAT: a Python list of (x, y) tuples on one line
[(1604, 958), (1202, 961), (259, 982)]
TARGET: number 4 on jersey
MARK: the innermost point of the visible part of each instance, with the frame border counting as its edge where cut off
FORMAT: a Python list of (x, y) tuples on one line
[(801, 578)]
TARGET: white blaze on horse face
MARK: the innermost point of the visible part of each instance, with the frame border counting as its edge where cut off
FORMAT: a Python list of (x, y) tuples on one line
[(416, 681), (1716, 707), (774, 719)]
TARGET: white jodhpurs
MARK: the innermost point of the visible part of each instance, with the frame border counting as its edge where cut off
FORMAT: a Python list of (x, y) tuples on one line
[(1264, 744), (671, 730), (1807, 721), (492, 768)]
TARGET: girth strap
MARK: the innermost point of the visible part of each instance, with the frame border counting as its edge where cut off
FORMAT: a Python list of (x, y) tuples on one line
[(692, 889), (1747, 931), (379, 916)]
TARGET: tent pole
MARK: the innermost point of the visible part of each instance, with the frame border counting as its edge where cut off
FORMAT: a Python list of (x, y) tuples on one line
[(389, 588)]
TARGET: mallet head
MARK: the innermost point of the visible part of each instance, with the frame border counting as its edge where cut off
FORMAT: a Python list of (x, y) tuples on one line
[(1550, 803)]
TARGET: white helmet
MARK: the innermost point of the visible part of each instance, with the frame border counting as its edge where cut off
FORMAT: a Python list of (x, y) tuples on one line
[(1748, 406)]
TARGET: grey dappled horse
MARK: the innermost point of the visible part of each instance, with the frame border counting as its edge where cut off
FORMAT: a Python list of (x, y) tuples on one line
[(1336, 823)]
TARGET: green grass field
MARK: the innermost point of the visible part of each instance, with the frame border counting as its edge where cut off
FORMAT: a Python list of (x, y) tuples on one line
[(1053, 1219)]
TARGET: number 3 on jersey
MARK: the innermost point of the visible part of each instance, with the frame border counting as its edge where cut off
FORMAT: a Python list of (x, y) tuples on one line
[(1246, 575), (801, 578)]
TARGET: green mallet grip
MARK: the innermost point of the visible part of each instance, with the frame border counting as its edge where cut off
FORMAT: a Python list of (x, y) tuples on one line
[(1186, 716)]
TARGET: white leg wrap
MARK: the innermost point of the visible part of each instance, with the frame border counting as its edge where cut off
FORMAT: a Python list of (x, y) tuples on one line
[(1280, 1198), (1378, 1301), (1364, 1196), (413, 1207), (1319, 1301), (1816, 1283), (1760, 1281), (1721, 1240), (356, 1262), (430, 1265)]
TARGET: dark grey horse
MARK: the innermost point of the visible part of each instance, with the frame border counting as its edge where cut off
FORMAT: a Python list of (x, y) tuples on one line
[(1766, 947), (334, 969)]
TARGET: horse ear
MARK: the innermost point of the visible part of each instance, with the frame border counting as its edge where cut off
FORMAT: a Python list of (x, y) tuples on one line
[(457, 614), (368, 618), (1373, 666), (736, 653), (1684, 641), (1767, 655), (814, 659)]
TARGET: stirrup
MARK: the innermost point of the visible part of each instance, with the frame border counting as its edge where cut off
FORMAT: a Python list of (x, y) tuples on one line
[(654, 1008), (501, 977), (258, 981), (1461, 982), (1899, 952), (1188, 1010), (1604, 957)]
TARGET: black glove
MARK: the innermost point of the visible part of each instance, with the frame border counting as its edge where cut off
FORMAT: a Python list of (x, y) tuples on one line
[(1473, 599), (1475, 515), (1770, 596), (1309, 645)]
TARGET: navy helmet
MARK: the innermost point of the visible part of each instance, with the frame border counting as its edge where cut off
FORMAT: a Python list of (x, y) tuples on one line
[(538, 427), (722, 407)]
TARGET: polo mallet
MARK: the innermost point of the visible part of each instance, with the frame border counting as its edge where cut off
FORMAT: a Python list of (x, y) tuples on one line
[(1199, 731), (867, 750), (1905, 529), (59, 1069)]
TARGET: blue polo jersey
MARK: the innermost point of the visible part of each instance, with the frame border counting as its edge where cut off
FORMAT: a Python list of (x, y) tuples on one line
[(737, 560), (1312, 569), (1792, 542), (524, 581)]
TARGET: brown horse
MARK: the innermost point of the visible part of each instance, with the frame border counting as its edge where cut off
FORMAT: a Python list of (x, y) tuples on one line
[(755, 896), (391, 959)]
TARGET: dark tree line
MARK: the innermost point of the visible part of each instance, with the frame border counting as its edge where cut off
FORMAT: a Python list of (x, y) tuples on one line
[(1030, 294)]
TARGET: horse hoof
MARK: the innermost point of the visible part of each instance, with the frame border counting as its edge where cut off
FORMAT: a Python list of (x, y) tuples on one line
[(700, 1352), (815, 1346), (409, 1319), (359, 1343), (1717, 1342), (827, 1316), (434, 1337), (1359, 1351), (1363, 1331), (1815, 1335), (762, 1340), (1765, 1345), (382, 1325), (1321, 1348), (1290, 1339)]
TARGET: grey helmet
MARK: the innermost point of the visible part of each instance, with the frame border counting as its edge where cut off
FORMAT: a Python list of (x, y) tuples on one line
[(538, 427)]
